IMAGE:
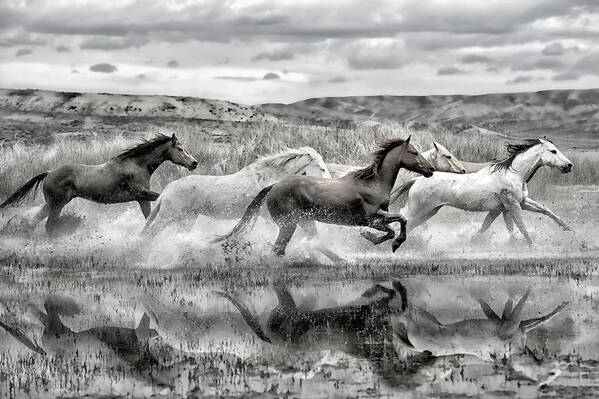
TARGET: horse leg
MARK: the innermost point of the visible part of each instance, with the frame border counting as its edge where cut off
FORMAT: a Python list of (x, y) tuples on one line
[(533, 206), (516, 215), (145, 208), (39, 216), (509, 225), (144, 194), (489, 219), (52, 223), (285, 233)]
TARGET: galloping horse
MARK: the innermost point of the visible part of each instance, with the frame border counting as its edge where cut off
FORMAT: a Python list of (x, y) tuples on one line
[(530, 205), (124, 178), (226, 197), (495, 189), (438, 156), (360, 198)]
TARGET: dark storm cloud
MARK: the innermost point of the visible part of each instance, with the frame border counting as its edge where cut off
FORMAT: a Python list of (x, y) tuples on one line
[(172, 64), (570, 75), (271, 76), (22, 52), (520, 79), (224, 21), (280, 55), (103, 68), (109, 43), (475, 58), (450, 70)]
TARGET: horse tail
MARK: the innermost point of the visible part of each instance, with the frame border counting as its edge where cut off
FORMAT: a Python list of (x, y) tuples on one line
[(250, 318), (249, 217), (402, 190), (19, 195), (147, 230)]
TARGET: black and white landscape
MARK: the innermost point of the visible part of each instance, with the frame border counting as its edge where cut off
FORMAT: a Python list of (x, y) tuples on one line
[(155, 158)]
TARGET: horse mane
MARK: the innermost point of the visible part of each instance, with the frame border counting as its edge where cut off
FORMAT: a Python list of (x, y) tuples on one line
[(144, 147), (514, 150), (379, 155), (281, 158)]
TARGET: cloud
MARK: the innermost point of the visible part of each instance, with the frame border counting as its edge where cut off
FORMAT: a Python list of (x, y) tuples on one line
[(22, 52), (103, 68), (21, 39), (337, 79), (172, 64), (74, 71), (63, 49), (271, 76), (450, 70), (141, 76), (376, 54), (277, 55), (475, 58), (570, 75), (525, 64), (553, 49), (519, 79), (110, 43)]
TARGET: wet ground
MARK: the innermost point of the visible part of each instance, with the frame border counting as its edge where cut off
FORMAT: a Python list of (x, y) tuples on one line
[(72, 310), (202, 346)]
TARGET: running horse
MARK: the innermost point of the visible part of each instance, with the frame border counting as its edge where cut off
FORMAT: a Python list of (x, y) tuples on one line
[(360, 198), (496, 189), (123, 178)]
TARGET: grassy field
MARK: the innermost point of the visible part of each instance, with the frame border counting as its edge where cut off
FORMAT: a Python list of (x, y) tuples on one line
[(114, 275), (229, 151)]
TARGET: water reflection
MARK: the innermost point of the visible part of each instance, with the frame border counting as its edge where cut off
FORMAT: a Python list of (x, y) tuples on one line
[(419, 336)]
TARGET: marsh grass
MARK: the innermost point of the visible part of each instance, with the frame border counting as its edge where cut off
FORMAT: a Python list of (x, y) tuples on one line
[(241, 144)]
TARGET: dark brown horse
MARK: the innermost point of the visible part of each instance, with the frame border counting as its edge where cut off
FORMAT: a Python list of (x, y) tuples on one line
[(124, 178), (360, 198)]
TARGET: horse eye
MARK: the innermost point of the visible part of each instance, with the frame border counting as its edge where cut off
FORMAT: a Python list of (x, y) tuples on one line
[(413, 152), (448, 156), (553, 152)]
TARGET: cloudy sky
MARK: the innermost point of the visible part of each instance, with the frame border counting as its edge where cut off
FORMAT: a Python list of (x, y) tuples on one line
[(281, 51)]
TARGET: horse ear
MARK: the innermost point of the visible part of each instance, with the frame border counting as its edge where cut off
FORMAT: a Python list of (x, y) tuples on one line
[(173, 138), (408, 139), (435, 145)]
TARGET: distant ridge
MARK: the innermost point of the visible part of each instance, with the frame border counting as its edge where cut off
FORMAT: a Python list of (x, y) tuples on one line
[(106, 104), (566, 115)]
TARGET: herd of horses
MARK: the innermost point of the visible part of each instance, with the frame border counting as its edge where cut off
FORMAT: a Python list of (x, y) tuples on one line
[(300, 189)]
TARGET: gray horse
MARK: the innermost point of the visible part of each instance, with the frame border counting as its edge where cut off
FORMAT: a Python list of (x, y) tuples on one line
[(123, 178)]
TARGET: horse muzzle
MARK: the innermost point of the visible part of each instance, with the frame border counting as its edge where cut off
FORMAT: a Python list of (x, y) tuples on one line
[(567, 168), (193, 165)]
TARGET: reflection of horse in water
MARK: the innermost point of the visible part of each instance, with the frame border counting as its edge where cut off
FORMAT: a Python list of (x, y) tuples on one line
[(123, 178), (383, 320), (358, 199), (495, 189), (227, 196)]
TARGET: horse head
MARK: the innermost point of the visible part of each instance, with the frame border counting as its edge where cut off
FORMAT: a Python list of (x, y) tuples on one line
[(443, 160), (553, 157), (177, 154), (410, 158)]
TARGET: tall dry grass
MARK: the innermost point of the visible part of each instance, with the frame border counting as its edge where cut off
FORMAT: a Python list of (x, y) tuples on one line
[(242, 144)]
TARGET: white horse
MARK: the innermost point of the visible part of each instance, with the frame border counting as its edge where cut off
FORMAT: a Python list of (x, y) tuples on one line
[(438, 156), (533, 206), (498, 188), (227, 196)]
